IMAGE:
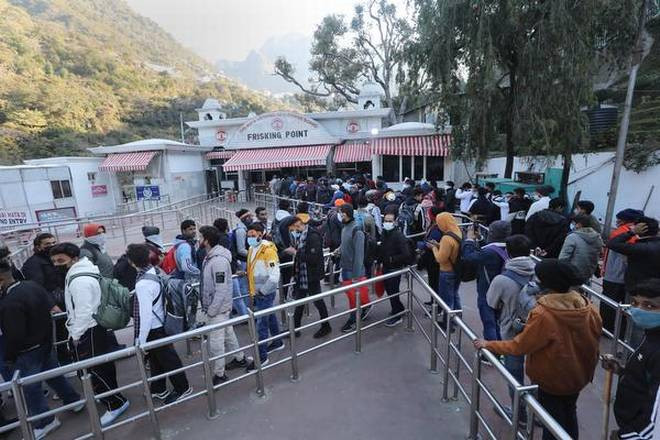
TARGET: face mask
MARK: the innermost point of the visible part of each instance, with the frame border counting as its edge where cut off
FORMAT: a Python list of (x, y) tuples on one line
[(62, 269), (98, 240), (390, 197), (340, 217), (645, 318), (295, 234), (247, 221), (388, 226), (253, 241)]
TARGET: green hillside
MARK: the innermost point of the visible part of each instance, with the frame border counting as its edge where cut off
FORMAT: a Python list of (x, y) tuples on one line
[(75, 73)]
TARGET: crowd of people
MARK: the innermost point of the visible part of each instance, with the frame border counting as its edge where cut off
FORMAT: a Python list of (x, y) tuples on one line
[(533, 314)]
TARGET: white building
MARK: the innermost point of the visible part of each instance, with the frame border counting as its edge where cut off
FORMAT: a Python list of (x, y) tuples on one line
[(248, 151)]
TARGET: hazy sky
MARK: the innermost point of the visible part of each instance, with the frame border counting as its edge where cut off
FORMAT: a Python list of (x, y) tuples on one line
[(229, 29)]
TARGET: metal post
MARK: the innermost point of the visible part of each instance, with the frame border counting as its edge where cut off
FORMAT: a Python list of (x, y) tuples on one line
[(515, 415), (618, 319), (458, 364), (139, 356), (445, 372), (409, 315), (90, 403), (434, 337), (530, 417), (252, 328), (21, 411), (208, 377), (123, 231), (476, 394), (162, 220), (189, 352), (358, 324), (332, 281), (292, 343)]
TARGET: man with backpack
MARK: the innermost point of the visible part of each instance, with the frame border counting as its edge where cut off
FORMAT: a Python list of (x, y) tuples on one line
[(504, 296), (82, 295), (488, 261), (582, 248), (125, 273), (93, 248), (412, 218), (548, 228), (149, 318), (561, 339), (183, 254)]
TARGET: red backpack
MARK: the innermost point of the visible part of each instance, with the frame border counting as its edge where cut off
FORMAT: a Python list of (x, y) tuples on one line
[(169, 261)]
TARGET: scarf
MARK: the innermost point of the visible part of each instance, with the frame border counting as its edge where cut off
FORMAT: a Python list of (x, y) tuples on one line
[(301, 265)]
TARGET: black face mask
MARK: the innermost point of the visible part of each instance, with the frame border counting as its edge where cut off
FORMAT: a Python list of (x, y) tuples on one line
[(45, 251), (62, 269)]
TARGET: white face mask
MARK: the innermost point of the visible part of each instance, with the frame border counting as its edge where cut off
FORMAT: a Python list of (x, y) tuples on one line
[(388, 226), (98, 240), (340, 217)]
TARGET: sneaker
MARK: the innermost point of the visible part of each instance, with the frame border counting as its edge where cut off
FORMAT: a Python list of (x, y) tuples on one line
[(522, 420), (40, 433), (274, 346), (394, 321), (55, 396), (112, 415), (323, 331), (252, 366), (160, 396), (217, 380), (79, 407), (235, 364), (365, 312), (348, 327), (175, 396)]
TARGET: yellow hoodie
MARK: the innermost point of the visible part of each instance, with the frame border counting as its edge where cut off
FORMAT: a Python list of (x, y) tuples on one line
[(447, 252), (263, 270)]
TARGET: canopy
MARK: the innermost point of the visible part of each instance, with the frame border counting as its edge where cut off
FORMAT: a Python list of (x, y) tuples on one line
[(220, 154), (349, 153), (274, 158), (119, 162), (430, 145)]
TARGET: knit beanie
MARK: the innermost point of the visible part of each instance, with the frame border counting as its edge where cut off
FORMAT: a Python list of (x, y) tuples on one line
[(499, 231), (630, 215), (558, 276), (91, 229)]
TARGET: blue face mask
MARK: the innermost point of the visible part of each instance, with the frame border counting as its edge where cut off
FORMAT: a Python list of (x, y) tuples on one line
[(253, 241), (645, 318), (295, 234)]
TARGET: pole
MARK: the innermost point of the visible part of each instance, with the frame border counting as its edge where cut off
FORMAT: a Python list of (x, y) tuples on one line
[(625, 120), (183, 138)]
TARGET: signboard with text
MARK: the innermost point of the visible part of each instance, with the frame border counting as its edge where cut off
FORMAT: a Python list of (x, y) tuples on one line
[(149, 192), (9, 218), (56, 215), (99, 190)]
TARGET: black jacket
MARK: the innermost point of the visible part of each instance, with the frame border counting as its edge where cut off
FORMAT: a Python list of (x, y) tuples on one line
[(40, 269), (25, 318), (124, 273), (547, 230), (393, 251), (312, 255), (643, 257), (638, 386)]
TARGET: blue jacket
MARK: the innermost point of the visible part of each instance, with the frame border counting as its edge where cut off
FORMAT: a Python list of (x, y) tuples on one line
[(485, 258), (185, 256)]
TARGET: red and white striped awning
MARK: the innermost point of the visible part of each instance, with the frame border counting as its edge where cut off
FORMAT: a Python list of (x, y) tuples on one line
[(433, 145), (349, 153), (273, 158), (119, 162), (220, 154)]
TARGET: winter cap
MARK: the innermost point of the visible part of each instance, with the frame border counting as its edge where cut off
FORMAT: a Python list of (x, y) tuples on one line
[(241, 213), (630, 215), (91, 229), (499, 231), (339, 202), (288, 221), (150, 230), (556, 275)]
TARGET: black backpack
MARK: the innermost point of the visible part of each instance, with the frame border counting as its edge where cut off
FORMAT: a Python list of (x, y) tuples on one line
[(464, 270), (370, 247)]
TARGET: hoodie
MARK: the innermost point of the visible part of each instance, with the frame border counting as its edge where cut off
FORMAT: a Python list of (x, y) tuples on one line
[(186, 266), (561, 340), (82, 297), (581, 249), (216, 282), (547, 229), (448, 249), (502, 294)]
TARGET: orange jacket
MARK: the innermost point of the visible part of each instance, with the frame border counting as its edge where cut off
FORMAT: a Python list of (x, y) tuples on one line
[(561, 341), (615, 233), (447, 252)]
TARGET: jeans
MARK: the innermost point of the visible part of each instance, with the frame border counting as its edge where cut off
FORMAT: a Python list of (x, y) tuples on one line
[(4, 370), (33, 362), (516, 366), (449, 289), (564, 410), (313, 288), (266, 325), (488, 320), (219, 339), (392, 287), (239, 303), (164, 359), (243, 281)]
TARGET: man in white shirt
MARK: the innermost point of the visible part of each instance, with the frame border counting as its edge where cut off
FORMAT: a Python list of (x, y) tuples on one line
[(82, 295), (542, 197), (465, 195), (149, 317)]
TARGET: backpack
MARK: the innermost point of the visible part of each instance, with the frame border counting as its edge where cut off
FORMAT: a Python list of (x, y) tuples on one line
[(180, 301), (168, 265), (234, 246), (525, 302), (406, 219), (464, 270), (116, 305), (370, 247)]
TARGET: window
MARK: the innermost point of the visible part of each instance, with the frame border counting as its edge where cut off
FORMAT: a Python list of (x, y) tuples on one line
[(435, 168), (61, 188), (419, 168), (391, 169), (406, 167), (91, 176)]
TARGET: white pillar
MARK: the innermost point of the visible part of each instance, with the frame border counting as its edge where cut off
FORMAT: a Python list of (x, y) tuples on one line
[(376, 169)]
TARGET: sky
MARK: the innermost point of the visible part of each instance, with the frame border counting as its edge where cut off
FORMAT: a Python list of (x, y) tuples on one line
[(229, 29)]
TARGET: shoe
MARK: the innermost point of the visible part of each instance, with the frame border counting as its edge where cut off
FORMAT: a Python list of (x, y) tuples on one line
[(175, 396), (348, 327), (394, 321), (160, 396), (112, 415), (217, 380), (274, 346), (365, 312), (235, 364), (298, 334), (252, 366), (43, 432), (76, 409), (323, 331)]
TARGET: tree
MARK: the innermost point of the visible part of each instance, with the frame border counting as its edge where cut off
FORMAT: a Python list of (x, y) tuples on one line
[(369, 48), (522, 68)]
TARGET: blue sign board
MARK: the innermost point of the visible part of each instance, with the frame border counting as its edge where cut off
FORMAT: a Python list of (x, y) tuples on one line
[(151, 192)]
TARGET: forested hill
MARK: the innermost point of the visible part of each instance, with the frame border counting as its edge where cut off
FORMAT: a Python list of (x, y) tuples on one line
[(79, 73)]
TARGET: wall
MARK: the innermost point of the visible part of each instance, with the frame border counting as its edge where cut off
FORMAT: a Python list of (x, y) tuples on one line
[(86, 203), (184, 174), (591, 174)]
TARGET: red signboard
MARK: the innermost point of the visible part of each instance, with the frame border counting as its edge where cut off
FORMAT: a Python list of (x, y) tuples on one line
[(99, 190)]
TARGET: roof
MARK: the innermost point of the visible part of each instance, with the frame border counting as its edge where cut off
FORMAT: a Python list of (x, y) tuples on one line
[(371, 89), (149, 145), (62, 160), (210, 104)]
